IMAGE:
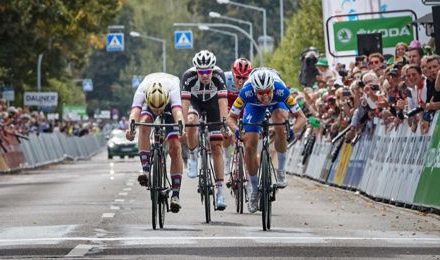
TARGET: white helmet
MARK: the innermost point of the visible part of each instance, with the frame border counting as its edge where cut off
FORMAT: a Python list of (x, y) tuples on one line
[(204, 60), (262, 79), (157, 97)]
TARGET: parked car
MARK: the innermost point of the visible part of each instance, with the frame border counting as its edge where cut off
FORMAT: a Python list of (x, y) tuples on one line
[(118, 145)]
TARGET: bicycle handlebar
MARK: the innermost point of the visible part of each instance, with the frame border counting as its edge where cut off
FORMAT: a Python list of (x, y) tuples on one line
[(133, 125)]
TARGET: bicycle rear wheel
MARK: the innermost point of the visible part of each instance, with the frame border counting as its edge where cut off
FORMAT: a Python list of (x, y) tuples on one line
[(155, 189), (162, 201), (266, 203)]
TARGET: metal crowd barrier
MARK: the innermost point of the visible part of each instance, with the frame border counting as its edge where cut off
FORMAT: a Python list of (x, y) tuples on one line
[(395, 166), (48, 148)]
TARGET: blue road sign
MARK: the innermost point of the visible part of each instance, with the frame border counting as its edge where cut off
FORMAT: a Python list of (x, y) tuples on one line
[(183, 39), (115, 42), (87, 85)]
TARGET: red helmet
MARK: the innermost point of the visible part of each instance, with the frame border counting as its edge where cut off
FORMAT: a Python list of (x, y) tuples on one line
[(241, 67)]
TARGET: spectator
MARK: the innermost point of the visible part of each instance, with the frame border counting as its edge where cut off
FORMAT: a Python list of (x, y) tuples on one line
[(415, 55), (375, 61)]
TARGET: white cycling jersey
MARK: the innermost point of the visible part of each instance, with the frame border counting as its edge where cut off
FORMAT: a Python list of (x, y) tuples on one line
[(170, 81)]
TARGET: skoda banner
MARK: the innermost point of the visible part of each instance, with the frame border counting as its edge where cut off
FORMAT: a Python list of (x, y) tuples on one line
[(393, 29)]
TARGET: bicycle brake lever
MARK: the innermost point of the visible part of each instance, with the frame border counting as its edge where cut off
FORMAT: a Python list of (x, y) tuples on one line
[(132, 126)]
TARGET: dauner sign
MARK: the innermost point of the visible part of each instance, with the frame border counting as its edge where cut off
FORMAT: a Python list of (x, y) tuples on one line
[(43, 99)]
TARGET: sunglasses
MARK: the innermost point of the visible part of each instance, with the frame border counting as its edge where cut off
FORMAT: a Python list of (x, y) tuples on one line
[(241, 78), (204, 72), (264, 92), (375, 62)]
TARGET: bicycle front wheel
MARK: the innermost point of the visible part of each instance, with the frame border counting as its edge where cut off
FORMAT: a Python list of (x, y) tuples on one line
[(265, 202), (240, 183), (162, 201), (205, 187), (155, 189)]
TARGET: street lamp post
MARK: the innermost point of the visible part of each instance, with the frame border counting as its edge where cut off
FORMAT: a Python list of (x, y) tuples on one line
[(40, 58), (281, 19), (227, 26), (263, 10), (164, 50), (206, 28), (251, 47)]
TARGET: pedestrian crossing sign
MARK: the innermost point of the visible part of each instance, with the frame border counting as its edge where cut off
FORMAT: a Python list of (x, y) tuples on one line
[(183, 39), (115, 42)]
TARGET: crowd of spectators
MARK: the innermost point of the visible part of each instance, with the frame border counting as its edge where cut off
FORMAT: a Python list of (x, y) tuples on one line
[(21, 121), (403, 88)]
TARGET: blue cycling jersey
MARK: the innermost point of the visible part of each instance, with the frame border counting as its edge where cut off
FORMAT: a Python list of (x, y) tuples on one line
[(281, 94)]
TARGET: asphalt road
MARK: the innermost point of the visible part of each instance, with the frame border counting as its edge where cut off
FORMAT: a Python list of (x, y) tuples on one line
[(96, 209)]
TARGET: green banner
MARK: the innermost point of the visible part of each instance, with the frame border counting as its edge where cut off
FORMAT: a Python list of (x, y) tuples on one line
[(77, 109), (393, 29), (428, 189)]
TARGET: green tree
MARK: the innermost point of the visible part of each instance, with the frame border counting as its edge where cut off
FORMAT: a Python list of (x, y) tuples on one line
[(63, 31), (305, 29)]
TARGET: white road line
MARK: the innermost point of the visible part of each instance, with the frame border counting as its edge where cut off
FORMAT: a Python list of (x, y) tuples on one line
[(115, 207), (119, 200), (108, 215), (79, 251), (112, 172), (129, 183), (122, 193), (299, 239), (127, 189)]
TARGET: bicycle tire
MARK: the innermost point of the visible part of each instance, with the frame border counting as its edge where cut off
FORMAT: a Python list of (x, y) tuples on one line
[(241, 180), (265, 192), (205, 187), (162, 192), (154, 190)]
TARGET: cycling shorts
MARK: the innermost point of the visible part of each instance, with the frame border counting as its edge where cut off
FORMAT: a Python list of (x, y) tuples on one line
[(170, 132), (211, 108)]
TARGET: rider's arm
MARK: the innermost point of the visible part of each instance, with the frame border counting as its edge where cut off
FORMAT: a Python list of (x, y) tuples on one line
[(295, 110), (219, 80), (231, 121), (186, 94)]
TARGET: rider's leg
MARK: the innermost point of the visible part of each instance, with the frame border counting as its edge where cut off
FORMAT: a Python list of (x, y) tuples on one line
[(217, 156), (192, 134), (250, 141), (144, 149), (227, 142), (176, 167), (280, 116)]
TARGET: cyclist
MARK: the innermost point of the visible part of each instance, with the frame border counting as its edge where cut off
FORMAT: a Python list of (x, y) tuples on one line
[(240, 70), (264, 90), (159, 94), (203, 90)]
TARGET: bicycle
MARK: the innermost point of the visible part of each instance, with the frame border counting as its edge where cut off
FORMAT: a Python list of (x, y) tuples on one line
[(159, 185), (238, 180), (266, 189), (206, 172)]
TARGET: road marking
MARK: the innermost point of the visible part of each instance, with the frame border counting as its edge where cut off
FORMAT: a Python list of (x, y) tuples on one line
[(294, 239), (114, 207), (122, 193), (112, 172), (127, 189), (79, 251), (129, 183), (108, 215), (119, 200), (111, 165)]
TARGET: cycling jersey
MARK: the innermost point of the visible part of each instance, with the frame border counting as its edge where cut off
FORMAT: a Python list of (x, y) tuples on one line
[(170, 81), (231, 88), (254, 110), (194, 90), (281, 94), (204, 97)]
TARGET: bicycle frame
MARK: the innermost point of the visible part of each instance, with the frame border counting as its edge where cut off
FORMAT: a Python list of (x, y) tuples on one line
[(160, 188), (265, 170), (206, 172)]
